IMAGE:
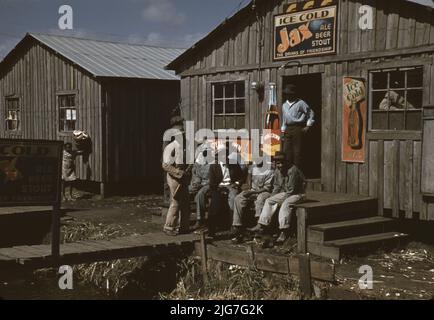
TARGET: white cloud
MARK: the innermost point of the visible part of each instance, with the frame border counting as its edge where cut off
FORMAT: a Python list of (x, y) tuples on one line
[(192, 38), (163, 11), (162, 40), (155, 39), (76, 32)]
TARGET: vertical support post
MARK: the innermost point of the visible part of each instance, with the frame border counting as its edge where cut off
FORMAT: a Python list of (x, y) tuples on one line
[(55, 231), (305, 275), (102, 190), (251, 253), (301, 230), (204, 257)]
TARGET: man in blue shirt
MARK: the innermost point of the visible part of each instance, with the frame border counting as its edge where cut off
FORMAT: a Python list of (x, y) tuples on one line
[(298, 118)]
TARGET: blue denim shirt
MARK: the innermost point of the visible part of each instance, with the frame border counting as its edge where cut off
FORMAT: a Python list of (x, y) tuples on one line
[(297, 113)]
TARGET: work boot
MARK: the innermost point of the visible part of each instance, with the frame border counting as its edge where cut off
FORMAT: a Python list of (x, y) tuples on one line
[(258, 229), (284, 235), (172, 233), (237, 235), (200, 224)]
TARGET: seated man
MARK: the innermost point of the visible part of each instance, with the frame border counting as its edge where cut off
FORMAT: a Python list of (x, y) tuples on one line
[(200, 186), (288, 189), (261, 187), (225, 181), (394, 101)]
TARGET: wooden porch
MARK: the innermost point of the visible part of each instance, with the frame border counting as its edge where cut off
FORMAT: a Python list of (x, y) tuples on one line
[(332, 224)]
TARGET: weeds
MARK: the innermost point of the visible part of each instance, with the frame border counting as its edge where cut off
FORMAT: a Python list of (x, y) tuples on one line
[(229, 282)]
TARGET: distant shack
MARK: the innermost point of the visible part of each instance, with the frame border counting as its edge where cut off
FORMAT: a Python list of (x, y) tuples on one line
[(118, 93)]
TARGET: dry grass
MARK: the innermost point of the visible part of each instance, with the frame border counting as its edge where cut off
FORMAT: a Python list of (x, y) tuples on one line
[(228, 282)]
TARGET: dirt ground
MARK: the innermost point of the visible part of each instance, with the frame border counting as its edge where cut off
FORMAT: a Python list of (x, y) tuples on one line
[(405, 273)]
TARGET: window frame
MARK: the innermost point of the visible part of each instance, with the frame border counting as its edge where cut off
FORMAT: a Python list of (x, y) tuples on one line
[(58, 110), (19, 113), (235, 98), (388, 68)]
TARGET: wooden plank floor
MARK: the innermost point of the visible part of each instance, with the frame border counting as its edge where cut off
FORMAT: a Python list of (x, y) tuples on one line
[(93, 250), (4, 211), (318, 199)]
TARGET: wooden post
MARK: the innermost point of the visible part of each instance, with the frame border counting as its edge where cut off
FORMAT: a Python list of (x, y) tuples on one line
[(204, 257), (305, 275), (55, 232), (301, 230), (251, 252), (102, 190)]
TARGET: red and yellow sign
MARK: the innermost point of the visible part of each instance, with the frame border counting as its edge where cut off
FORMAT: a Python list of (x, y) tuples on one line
[(30, 172), (306, 29)]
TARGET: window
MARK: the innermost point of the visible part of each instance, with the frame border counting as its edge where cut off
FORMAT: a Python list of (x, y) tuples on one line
[(67, 112), (12, 114), (229, 105), (396, 98)]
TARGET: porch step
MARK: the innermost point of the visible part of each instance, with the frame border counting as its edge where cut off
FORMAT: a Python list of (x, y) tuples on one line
[(335, 249), (349, 228), (340, 210)]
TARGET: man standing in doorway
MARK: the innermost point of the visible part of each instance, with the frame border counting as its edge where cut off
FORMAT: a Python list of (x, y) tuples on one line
[(297, 120)]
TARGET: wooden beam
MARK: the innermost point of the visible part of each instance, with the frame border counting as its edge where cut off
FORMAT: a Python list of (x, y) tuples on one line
[(320, 60), (394, 135), (55, 232), (301, 230), (204, 257), (268, 262), (305, 275)]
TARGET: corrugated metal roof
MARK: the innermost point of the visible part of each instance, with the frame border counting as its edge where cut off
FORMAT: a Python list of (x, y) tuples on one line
[(111, 59)]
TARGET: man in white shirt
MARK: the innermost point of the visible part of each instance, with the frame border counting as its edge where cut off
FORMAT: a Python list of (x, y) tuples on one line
[(297, 119), (225, 181)]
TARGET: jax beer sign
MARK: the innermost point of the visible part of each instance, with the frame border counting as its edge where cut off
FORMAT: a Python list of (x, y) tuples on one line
[(306, 29), (30, 172)]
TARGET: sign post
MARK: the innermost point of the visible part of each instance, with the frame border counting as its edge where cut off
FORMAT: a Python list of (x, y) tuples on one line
[(30, 175)]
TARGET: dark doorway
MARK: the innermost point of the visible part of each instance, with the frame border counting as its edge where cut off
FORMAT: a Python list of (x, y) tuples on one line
[(309, 89)]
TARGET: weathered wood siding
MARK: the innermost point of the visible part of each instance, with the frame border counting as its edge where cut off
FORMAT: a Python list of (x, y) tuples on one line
[(36, 75), (403, 35), (397, 25), (137, 112)]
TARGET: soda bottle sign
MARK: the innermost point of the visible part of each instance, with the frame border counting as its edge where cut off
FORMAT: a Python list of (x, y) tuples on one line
[(272, 123)]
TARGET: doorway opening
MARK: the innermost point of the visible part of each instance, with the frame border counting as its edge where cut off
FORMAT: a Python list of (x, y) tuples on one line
[(309, 89)]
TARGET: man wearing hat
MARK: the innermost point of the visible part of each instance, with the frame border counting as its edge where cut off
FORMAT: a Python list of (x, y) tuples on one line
[(178, 176), (199, 185), (297, 118), (288, 190), (261, 180), (225, 181)]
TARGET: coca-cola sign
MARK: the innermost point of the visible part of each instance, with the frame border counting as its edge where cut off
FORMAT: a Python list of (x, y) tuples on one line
[(354, 120)]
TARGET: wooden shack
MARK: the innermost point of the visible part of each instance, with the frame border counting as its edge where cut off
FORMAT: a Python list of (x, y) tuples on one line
[(118, 93), (385, 48)]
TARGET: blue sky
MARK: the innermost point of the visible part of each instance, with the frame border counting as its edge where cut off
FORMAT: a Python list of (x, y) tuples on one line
[(171, 23)]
